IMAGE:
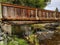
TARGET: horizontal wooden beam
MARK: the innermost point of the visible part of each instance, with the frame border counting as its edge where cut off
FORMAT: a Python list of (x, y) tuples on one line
[(30, 19)]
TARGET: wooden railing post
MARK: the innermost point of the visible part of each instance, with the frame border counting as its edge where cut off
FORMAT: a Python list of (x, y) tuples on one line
[(55, 15), (37, 14)]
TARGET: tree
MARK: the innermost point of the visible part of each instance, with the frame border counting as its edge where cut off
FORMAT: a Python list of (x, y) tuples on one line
[(56, 10), (31, 3)]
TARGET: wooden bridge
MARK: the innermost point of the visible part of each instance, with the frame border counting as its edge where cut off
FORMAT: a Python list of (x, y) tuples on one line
[(11, 13)]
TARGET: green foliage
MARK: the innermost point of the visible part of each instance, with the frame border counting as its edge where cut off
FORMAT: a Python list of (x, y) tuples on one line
[(57, 10), (3, 0), (33, 39), (22, 42), (1, 43), (38, 26), (18, 41), (30, 3)]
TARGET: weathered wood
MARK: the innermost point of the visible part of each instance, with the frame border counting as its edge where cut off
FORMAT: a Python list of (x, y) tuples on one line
[(15, 12)]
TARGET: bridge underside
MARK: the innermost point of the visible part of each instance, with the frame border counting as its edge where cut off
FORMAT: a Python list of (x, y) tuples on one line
[(31, 19), (29, 22)]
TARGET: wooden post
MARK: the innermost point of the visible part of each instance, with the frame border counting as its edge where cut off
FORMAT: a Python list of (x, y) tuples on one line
[(36, 14)]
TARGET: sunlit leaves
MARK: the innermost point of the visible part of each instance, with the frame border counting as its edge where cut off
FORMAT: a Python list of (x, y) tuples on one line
[(30, 3)]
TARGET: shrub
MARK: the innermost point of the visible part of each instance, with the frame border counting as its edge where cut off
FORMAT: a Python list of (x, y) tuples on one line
[(18, 41)]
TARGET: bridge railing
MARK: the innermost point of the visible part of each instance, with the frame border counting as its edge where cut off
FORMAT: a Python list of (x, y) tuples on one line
[(48, 15), (18, 12), (14, 12)]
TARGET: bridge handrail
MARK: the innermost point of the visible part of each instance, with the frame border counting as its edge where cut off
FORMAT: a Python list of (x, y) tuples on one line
[(13, 11)]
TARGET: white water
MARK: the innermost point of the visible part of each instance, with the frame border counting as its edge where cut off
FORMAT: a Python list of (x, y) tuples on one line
[(53, 5)]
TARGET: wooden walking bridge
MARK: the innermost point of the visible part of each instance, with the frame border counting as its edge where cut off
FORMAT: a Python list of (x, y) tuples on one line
[(16, 14)]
